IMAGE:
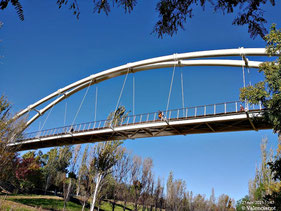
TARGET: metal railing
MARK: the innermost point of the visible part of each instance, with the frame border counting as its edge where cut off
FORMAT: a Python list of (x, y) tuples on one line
[(175, 114)]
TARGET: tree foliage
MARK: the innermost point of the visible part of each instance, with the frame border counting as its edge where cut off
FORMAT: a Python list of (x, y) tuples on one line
[(173, 14), (9, 129), (17, 5), (106, 154), (268, 92), (266, 185), (29, 174)]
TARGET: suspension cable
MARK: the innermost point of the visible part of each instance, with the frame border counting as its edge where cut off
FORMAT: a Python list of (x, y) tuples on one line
[(47, 117), (244, 79), (96, 104), (171, 85), (182, 90), (124, 82), (249, 76), (65, 110), (81, 104), (133, 94)]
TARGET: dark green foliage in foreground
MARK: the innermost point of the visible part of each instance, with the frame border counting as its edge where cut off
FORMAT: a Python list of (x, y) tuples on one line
[(268, 92), (173, 14)]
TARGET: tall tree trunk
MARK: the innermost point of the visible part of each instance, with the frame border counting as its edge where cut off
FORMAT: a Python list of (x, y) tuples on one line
[(78, 187), (47, 184), (83, 208), (64, 205), (114, 198), (125, 204), (96, 191), (113, 205), (143, 207), (136, 206), (67, 194)]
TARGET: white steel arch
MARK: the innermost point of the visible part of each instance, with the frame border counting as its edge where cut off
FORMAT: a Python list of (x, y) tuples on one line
[(182, 59)]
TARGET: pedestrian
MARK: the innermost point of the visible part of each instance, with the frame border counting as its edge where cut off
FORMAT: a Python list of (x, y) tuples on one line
[(241, 108)]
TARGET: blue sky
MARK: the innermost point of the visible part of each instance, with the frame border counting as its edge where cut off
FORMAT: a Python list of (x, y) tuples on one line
[(51, 49)]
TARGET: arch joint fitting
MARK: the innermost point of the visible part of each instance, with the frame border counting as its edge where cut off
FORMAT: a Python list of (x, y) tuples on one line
[(243, 55), (38, 111), (129, 68), (176, 59), (60, 92), (93, 81)]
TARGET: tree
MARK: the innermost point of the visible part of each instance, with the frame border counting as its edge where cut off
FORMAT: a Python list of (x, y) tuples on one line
[(240, 205), (262, 183), (84, 182), (268, 92), (136, 187), (273, 199), (200, 203), (71, 179), (28, 172), (175, 193), (82, 169), (106, 154), (120, 173), (10, 129), (57, 162), (212, 200), (146, 181), (158, 194), (174, 13)]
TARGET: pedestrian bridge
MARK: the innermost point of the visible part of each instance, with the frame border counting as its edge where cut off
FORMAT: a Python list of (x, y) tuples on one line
[(223, 117), (211, 118)]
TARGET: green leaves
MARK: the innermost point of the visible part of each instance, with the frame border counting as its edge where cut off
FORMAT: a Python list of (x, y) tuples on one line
[(106, 155), (268, 92), (273, 40), (254, 94)]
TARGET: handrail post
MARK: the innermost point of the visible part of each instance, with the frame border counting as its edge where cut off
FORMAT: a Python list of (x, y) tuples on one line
[(236, 107), (225, 108), (214, 109), (260, 104), (205, 110), (134, 118), (195, 112)]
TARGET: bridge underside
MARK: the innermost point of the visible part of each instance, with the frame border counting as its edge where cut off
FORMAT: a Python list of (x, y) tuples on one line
[(202, 124)]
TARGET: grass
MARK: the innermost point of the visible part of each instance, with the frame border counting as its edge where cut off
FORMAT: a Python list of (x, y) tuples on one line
[(43, 202), (47, 203), (10, 205)]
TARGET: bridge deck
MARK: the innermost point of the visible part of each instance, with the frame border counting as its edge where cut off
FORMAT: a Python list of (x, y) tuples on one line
[(142, 126)]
